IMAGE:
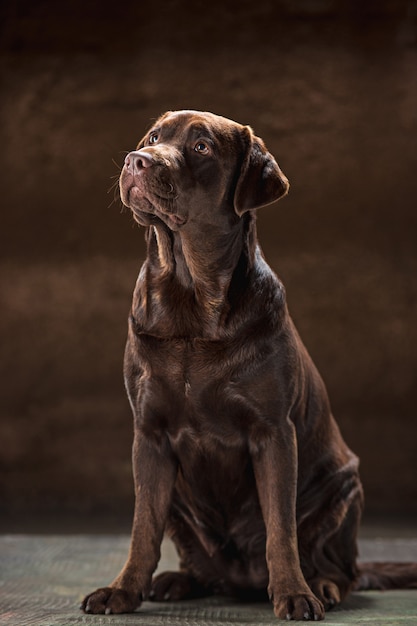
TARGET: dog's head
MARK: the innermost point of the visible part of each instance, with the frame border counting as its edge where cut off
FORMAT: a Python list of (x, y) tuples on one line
[(194, 166)]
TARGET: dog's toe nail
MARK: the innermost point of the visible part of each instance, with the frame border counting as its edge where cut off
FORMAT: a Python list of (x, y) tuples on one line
[(167, 596), (108, 611)]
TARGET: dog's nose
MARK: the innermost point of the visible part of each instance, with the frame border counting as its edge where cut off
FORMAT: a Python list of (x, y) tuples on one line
[(138, 160)]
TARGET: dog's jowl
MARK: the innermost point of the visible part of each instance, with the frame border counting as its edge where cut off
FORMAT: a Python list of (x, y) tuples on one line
[(236, 454)]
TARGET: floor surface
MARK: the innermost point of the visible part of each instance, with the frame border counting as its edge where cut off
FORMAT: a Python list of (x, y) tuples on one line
[(44, 577)]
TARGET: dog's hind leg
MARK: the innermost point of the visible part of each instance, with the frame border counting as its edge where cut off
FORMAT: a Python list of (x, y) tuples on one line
[(172, 586), (329, 559)]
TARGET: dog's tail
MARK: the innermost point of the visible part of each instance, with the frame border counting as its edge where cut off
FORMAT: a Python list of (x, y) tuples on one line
[(381, 575)]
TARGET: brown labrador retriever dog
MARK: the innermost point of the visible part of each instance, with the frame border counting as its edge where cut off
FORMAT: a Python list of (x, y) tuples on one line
[(236, 453)]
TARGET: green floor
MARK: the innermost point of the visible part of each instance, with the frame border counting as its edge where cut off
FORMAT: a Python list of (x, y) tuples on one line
[(44, 577)]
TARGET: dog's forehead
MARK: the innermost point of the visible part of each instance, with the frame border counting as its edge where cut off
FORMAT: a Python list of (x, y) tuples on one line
[(187, 121)]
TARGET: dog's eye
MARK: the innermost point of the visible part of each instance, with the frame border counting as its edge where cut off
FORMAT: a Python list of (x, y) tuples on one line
[(153, 138), (201, 147)]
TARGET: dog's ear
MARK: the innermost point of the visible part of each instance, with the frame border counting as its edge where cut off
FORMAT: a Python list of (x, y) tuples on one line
[(260, 181)]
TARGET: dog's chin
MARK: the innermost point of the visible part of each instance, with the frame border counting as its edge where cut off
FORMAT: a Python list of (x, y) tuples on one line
[(155, 217)]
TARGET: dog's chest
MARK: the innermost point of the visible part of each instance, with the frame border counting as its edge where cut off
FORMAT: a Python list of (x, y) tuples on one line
[(194, 391)]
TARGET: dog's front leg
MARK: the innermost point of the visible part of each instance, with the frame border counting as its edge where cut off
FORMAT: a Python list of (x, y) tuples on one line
[(155, 471), (275, 466)]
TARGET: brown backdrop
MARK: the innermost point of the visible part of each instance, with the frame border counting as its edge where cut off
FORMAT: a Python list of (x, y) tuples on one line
[(332, 88)]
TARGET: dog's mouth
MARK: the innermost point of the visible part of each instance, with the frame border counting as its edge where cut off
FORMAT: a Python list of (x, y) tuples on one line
[(150, 200)]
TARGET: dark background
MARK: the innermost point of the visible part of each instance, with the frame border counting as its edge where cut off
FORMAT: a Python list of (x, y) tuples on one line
[(332, 88)]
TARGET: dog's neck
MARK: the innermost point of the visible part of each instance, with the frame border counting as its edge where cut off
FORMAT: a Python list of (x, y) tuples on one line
[(198, 269)]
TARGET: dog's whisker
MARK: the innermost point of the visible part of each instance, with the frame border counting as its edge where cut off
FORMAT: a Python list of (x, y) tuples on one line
[(114, 185), (114, 201), (119, 167)]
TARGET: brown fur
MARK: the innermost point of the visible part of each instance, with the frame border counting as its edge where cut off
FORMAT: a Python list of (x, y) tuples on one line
[(236, 453)]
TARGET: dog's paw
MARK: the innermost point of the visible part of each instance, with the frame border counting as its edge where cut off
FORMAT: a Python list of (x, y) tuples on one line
[(110, 600), (326, 591), (300, 607), (174, 586)]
